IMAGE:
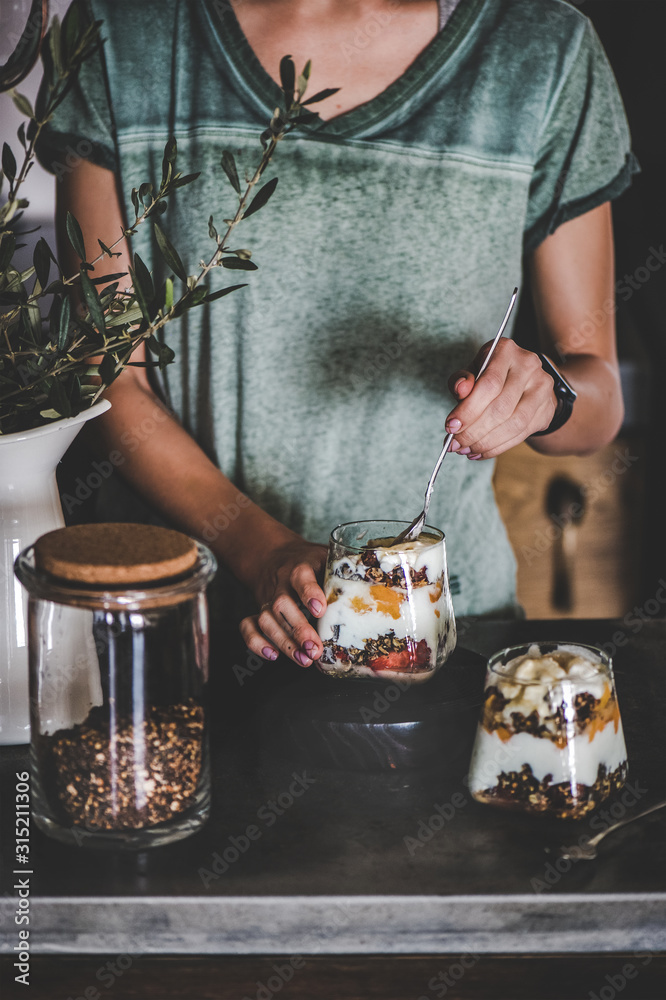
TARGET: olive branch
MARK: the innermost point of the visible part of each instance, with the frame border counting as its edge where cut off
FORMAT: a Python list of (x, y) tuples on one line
[(56, 364)]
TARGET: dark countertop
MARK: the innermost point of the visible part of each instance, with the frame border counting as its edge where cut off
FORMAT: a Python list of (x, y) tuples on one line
[(333, 873)]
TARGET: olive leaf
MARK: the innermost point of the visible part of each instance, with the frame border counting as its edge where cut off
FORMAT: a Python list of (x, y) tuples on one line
[(238, 264), (228, 164), (169, 253), (164, 353), (287, 78), (24, 106), (168, 159), (107, 369), (168, 294), (261, 197), (106, 250), (41, 259), (8, 162), (63, 323), (302, 82), (321, 96), (222, 291), (143, 286), (58, 399), (75, 236), (7, 247), (179, 182), (92, 301)]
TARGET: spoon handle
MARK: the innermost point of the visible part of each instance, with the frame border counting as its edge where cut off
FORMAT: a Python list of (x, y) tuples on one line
[(623, 822), (413, 530), (449, 437)]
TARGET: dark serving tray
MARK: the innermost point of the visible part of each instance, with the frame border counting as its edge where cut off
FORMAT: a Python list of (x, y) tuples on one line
[(373, 725)]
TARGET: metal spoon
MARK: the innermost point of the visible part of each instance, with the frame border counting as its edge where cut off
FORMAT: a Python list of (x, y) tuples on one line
[(412, 532), (588, 850)]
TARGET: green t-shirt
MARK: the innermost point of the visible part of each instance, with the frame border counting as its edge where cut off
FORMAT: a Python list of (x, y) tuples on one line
[(386, 256)]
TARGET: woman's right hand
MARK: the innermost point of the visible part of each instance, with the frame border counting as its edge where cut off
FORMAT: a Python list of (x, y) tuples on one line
[(285, 587)]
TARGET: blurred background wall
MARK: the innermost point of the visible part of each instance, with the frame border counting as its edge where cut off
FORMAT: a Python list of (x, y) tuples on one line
[(589, 533)]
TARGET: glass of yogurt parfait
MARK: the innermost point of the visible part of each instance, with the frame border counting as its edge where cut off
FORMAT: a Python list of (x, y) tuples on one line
[(550, 736), (389, 614)]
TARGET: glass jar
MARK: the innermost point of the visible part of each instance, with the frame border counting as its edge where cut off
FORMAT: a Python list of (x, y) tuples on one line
[(550, 736), (118, 657), (389, 614)]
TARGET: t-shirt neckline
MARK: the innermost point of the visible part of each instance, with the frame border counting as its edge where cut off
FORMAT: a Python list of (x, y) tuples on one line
[(266, 95)]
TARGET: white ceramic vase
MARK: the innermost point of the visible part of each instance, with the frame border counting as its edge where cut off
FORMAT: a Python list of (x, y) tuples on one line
[(29, 506)]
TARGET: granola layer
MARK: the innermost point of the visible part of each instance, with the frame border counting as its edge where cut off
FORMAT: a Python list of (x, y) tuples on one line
[(386, 652), (520, 789)]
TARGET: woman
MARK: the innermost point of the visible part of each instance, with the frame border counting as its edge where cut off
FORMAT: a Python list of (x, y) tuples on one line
[(467, 140)]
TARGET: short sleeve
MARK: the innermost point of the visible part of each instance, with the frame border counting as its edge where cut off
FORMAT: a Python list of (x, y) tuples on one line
[(82, 125), (584, 154)]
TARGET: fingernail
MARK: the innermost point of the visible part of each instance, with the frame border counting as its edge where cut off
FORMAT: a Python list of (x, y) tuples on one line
[(315, 607), (464, 451), (310, 648), (473, 458), (455, 445), (457, 385), (453, 425), (269, 653), (301, 658)]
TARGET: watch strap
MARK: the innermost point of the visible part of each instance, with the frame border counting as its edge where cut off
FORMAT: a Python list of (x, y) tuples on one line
[(566, 397)]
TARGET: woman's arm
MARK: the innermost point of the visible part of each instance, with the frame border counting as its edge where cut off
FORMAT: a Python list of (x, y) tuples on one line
[(573, 285), (170, 470)]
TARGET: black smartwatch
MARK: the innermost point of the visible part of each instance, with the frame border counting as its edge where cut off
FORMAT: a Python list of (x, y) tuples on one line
[(565, 395)]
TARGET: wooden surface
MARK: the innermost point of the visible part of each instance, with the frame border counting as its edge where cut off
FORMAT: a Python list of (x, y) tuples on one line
[(607, 540), (344, 977)]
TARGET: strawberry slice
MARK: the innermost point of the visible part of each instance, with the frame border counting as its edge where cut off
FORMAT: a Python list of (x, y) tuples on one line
[(415, 657)]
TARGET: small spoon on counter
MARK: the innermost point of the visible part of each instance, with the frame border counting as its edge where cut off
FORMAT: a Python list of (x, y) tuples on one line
[(588, 851), (412, 532)]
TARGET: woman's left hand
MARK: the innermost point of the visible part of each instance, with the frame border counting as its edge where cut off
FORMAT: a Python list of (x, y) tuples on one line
[(513, 399)]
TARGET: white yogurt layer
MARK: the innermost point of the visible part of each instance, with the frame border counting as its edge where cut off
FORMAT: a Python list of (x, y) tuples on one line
[(361, 609), (577, 762), (535, 682), (364, 610)]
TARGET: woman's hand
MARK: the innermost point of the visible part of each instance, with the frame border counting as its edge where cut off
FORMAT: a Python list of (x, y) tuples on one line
[(513, 399), (573, 291), (286, 585)]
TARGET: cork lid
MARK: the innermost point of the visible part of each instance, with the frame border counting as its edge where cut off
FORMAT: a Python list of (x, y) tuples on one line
[(115, 554)]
